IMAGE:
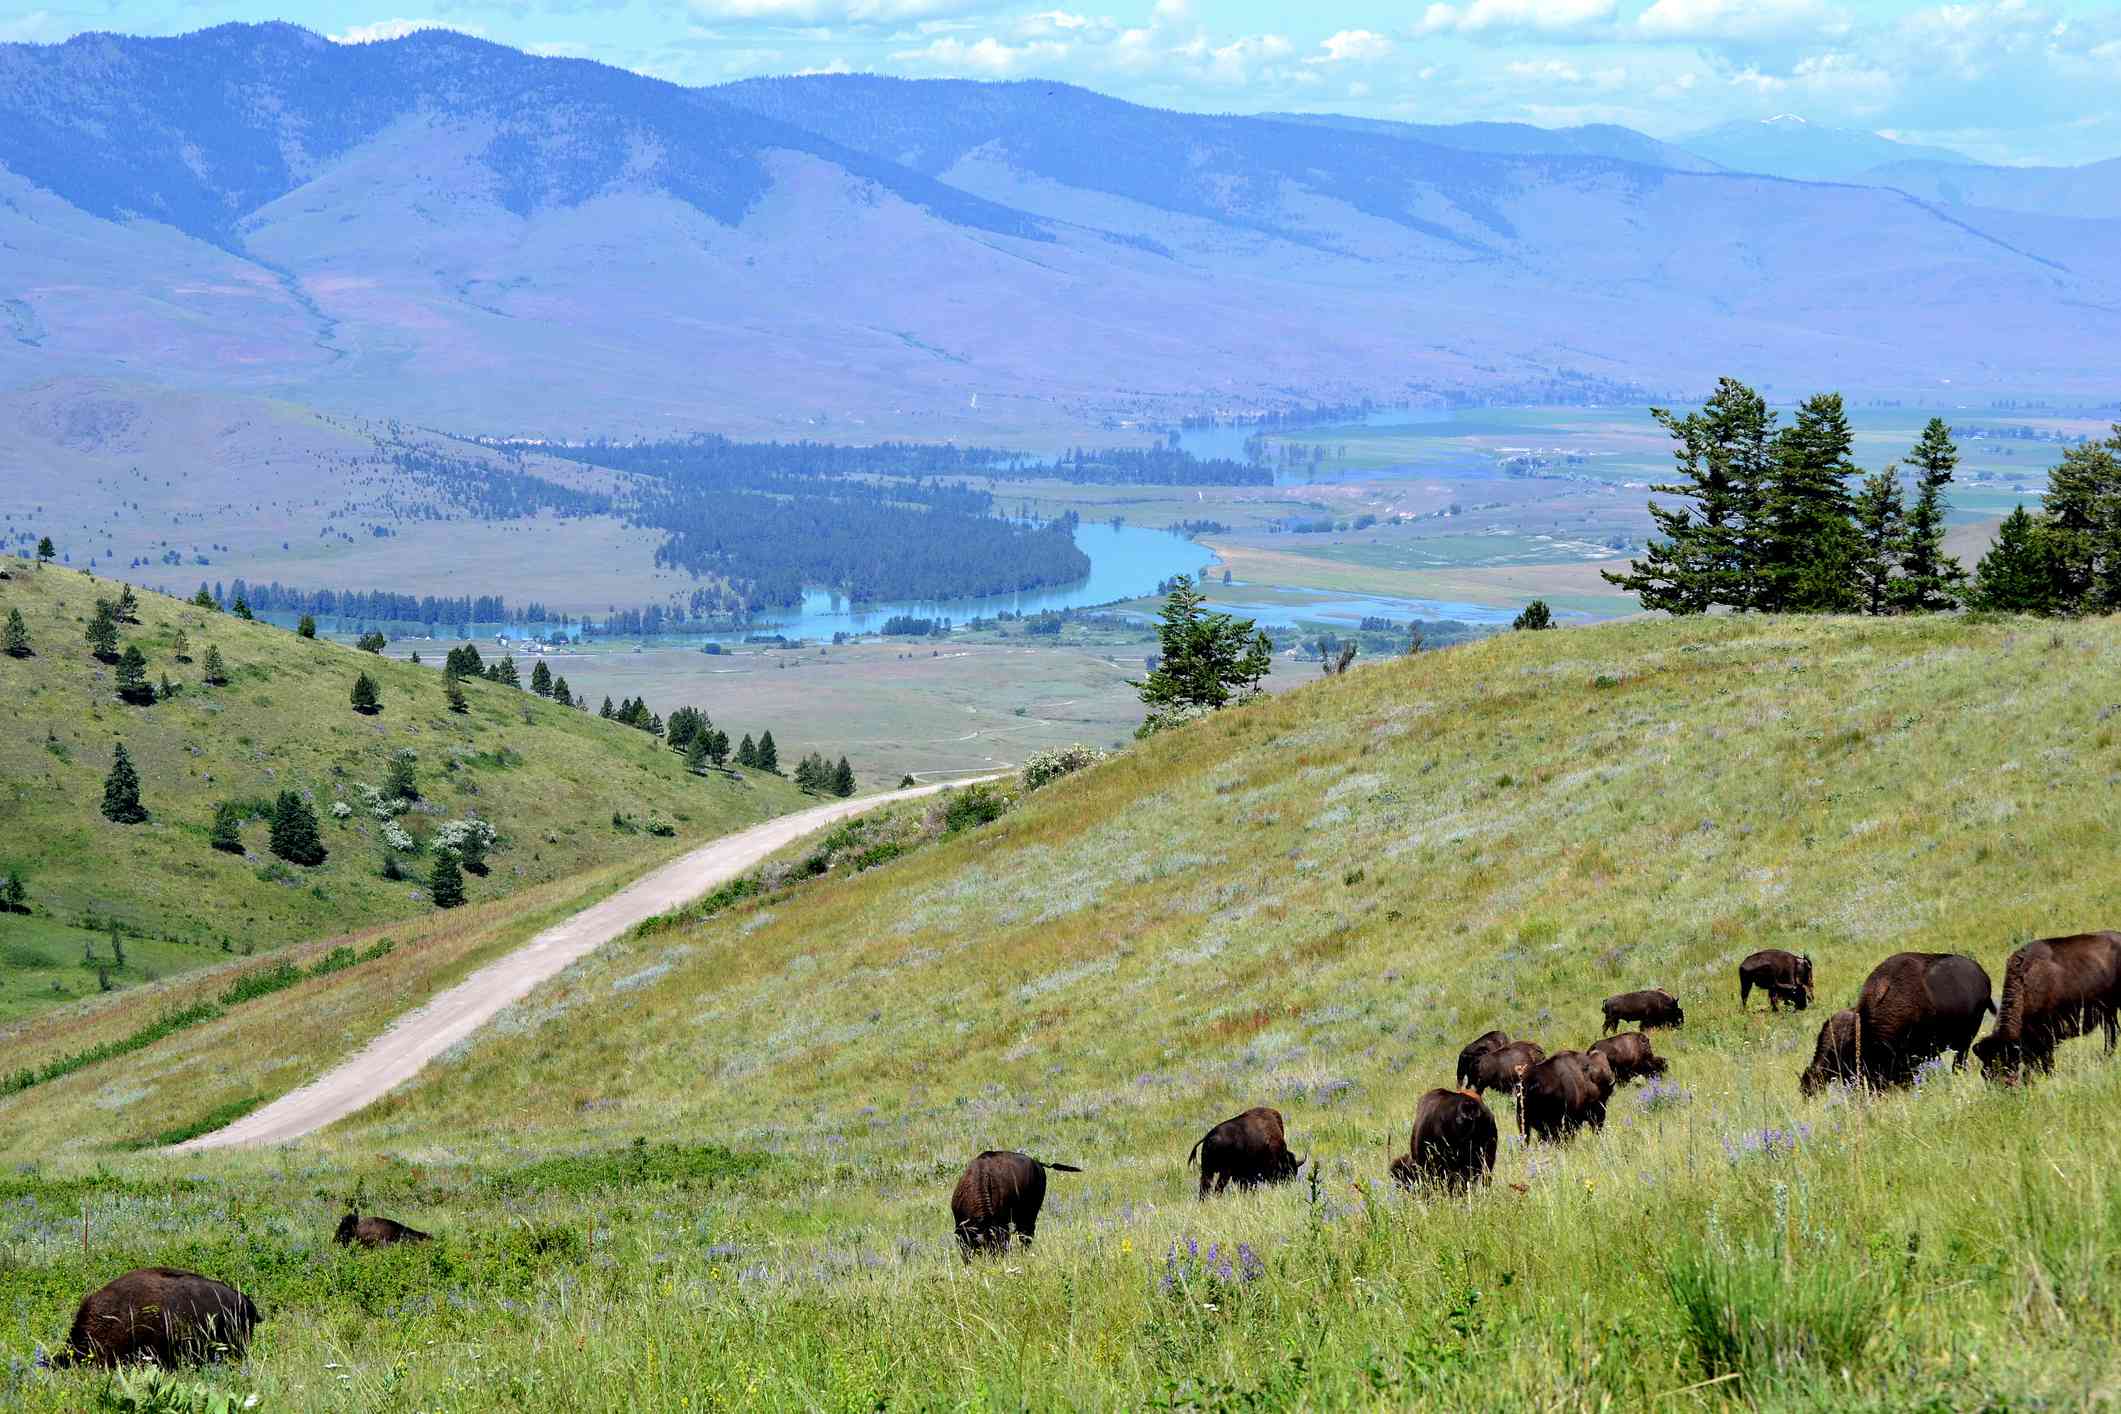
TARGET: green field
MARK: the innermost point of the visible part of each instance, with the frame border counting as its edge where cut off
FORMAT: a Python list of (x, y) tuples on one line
[(709, 1166), (550, 780)]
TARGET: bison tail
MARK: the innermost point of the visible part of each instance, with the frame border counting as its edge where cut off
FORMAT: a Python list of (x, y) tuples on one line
[(1194, 1152), (1990, 1007), (1060, 1168)]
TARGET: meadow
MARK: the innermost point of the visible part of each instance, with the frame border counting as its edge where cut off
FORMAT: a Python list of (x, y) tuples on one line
[(709, 1166)]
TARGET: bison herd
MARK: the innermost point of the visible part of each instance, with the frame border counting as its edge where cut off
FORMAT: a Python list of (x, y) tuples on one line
[(1913, 1008)]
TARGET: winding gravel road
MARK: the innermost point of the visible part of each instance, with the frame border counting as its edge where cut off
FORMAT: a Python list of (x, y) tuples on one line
[(419, 1036)]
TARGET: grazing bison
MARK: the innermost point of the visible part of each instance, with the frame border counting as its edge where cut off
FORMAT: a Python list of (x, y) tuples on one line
[(1453, 1142), (1784, 976), (1000, 1190), (159, 1314), (1563, 1093), (1630, 1056), (1656, 1007), (2052, 990), (1248, 1151), (1504, 1069), (1838, 1056), (1469, 1058), (375, 1232), (1916, 1005)]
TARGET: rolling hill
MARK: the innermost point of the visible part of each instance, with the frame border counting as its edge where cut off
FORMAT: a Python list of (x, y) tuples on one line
[(567, 791), (712, 1161), (461, 235), (1789, 146)]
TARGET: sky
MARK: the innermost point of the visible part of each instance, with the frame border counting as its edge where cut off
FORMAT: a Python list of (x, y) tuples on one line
[(2017, 81)]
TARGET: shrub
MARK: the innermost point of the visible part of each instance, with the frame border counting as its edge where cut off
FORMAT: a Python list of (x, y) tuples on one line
[(972, 807), (1043, 767), (468, 839)]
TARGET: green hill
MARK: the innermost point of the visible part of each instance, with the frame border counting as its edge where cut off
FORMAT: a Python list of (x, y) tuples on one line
[(710, 1166), (549, 779)]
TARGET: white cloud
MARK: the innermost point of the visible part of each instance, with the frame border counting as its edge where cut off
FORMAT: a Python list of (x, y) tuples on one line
[(1540, 16), (383, 30), (987, 56), (1359, 46), (836, 66), (36, 27), (1741, 20), (828, 12), (1234, 63)]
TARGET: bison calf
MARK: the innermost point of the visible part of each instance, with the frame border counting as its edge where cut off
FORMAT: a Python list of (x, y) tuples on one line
[(1247, 1150), (1837, 1056), (159, 1314), (1001, 1190), (1630, 1056), (375, 1232), (1784, 976), (1504, 1068), (2053, 989), (1562, 1094), (1453, 1142), (1655, 1007)]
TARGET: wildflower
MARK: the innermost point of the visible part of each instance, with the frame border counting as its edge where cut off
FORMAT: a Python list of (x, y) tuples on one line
[(1126, 1246)]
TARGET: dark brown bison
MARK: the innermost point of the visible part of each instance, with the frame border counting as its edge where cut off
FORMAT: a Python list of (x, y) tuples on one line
[(1916, 1005), (1562, 1094), (1656, 1007), (159, 1314), (1469, 1058), (1247, 1150), (375, 1232), (2052, 990), (1838, 1056), (1453, 1142), (1784, 976), (1630, 1056), (1504, 1069), (1000, 1190)]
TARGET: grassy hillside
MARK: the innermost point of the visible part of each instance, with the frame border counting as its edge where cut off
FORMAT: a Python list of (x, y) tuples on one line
[(712, 1164), (548, 778)]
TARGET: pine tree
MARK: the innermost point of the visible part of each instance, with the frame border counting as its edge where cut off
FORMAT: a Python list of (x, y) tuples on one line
[(1809, 549), (133, 685), (372, 641), (717, 746), (216, 670), (1205, 659), (446, 884), (561, 693), (127, 609), (241, 608), (294, 831), (1710, 554), (541, 679), (14, 894), (308, 627), (696, 755), (227, 835), (504, 672), (1881, 535), (1931, 580), (181, 649), (606, 711), (204, 599), (45, 551), (169, 689), (2018, 574), (655, 727), (366, 701), (121, 791), (1536, 616), (400, 781), (103, 633), (453, 692), (2081, 520), (806, 773), (843, 779), (769, 756), (746, 753), (17, 640)]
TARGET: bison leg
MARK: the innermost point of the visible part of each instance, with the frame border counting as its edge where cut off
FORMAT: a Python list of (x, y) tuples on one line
[(2111, 1021)]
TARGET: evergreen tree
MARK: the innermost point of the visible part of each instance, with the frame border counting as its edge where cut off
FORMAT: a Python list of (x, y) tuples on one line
[(14, 894), (1881, 535), (2018, 574), (103, 633), (806, 772), (606, 711), (1711, 551), (696, 754), (400, 780), (561, 693), (181, 649), (204, 599), (541, 679), (717, 746), (372, 641), (453, 692), (294, 831), (227, 833), (463, 660), (216, 670), (366, 700), (1536, 616), (2081, 521), (127, 609), (769, 756), (1809, 549), (1931, 580), (308, 627), (17, 640), (241, 608), (133, 685), (45, 551), (655, 727), (121, 791), (1206, 659), (505, 671), (169, 689), (446, 884), (843, 779), (746, 753)]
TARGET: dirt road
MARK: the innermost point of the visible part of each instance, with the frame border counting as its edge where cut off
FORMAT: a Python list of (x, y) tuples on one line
[(419, 1036)]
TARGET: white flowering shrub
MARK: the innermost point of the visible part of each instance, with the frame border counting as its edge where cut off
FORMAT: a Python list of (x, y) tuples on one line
[(1042, 767), (395, 836), (340, 810), (468, 839)]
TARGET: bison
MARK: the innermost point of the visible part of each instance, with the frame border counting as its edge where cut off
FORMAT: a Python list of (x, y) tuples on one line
[(1000, 1190), (1453, 1142), (1562, 1094), (2053, 989), (1784, 976), (1469, 1058), (375, 1232), (1247, 1150), (1504, 1069), (1630, 1056), (1916, 1005), (159, 1314), (1838, 1056), (1655, 1007)]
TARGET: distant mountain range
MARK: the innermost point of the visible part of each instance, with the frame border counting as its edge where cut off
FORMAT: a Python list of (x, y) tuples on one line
[(1789, 146), (452, 231)]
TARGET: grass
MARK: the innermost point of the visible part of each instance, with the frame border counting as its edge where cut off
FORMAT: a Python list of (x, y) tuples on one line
[(549, 778), (1310, 903)]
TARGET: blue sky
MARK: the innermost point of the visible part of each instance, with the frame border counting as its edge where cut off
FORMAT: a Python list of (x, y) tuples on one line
[(2002, 80)]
